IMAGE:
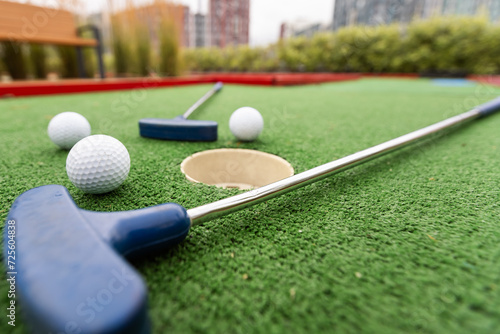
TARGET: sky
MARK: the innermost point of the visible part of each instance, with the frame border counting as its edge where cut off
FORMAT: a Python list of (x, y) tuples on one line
[(266, 16)]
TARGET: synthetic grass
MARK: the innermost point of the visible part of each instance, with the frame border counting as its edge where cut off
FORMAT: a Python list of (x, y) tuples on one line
[(409, 242)]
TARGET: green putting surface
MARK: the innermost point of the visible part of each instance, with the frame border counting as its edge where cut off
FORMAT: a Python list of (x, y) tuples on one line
[(409, 242)]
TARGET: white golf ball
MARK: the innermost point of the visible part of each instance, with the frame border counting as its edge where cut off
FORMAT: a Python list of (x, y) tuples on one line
[(98, 164), (246, 123), (67, 128)]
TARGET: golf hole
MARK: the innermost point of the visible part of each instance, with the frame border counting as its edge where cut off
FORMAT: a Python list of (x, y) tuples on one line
[(235, 168)]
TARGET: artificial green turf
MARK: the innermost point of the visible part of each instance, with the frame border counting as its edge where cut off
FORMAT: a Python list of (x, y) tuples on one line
[(409, 242)]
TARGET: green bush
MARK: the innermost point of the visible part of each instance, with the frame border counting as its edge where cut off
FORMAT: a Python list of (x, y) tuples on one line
[(53, 61), (13, 56), (489, 48), (69, 63), (243, 58), (320, 53), (450, 45), (293, 56), (89, 57), (439, 45), (108, 60), (446, 44), (384, 53), (169, 62), (121, 51), (143, 50), (204, 59), (359, 49), (266, 61), (90, 62), (38, 58)]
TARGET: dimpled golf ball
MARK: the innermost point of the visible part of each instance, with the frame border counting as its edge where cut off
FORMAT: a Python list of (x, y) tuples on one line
[(67, 128), (98, 164), (246, 123)]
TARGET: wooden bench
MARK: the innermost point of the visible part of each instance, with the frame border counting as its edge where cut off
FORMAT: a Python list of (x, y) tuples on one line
[(26, 23)]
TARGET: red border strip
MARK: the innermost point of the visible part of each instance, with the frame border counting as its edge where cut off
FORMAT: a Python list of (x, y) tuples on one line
[(32, 88), (287, 79), (82, 86), (486, 79)]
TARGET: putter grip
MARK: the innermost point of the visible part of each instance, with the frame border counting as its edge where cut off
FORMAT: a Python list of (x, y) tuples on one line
[(489, 107), (138, 233)]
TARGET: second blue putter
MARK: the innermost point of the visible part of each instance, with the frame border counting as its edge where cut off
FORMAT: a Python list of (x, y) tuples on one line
[(180, 128)]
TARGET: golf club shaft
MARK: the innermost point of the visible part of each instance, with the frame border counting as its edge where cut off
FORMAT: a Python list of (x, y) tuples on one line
[(213, 210), (204, 98)]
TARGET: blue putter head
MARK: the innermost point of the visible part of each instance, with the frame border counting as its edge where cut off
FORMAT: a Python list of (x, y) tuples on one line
[(181, 128), (178, 128), (69, 272)]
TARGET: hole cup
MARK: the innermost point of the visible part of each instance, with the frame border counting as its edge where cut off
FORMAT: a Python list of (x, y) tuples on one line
[(235, 168)]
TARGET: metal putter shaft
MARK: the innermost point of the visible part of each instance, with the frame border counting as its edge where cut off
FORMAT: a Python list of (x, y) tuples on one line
[(69, 271), (180, 128)]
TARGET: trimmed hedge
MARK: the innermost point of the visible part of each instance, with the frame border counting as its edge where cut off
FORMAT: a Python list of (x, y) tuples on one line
[(168, 62), (69, 68), (14, 57), (453, 45), (38, 59), (439, 45), (237, 59)]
